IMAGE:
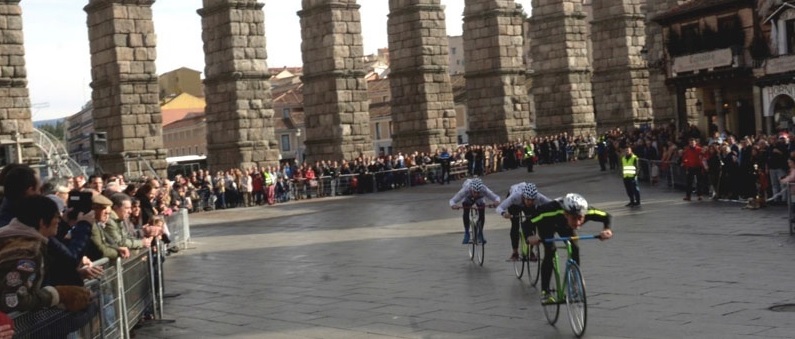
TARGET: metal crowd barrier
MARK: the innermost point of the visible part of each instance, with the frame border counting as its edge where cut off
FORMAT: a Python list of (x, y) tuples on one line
[(791, 215), (179, 226), (120, 298), (669, 173)]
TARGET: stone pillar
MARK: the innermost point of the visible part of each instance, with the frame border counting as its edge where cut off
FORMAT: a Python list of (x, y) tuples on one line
[(621, 78), (237, 87), (497, 102), (562, 71), (663, 97), (124, 85), (15, 118), (336, 104), (423, 112)]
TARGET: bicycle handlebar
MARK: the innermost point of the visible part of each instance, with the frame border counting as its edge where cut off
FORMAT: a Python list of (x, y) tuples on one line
[(579, 237)]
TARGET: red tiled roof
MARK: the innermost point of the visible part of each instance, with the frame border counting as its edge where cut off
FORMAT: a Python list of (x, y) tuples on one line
[(189, 120), (175, 114), (695, 7)]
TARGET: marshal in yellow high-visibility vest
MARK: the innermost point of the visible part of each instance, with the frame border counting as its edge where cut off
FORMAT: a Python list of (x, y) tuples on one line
[(629, 169), (629, 165)]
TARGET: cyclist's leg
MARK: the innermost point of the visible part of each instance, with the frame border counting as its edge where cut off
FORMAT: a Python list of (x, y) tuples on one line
[(549, 252), (466, 208), (481, 205)]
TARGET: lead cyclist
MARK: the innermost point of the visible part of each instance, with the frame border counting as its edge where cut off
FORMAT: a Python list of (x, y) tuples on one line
[(473, 192)]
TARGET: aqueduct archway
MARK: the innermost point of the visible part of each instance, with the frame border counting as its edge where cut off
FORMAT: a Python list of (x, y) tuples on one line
[(237, 89)]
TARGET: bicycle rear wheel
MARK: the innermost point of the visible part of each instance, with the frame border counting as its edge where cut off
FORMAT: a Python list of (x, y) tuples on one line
[(519, 265), (534, 267), (575, 299)]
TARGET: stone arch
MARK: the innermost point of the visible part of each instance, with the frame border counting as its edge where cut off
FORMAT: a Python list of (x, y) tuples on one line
[(561, 70), (239, 109), (336, 102), (497, 102), (16, 127), (422, 98), (125, 98), (770, 109), (621, 78)]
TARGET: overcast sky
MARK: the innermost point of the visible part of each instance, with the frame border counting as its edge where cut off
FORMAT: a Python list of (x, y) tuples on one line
[(58, 59)]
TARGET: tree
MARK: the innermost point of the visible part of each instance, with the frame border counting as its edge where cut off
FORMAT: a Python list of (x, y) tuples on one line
[(57, 130)]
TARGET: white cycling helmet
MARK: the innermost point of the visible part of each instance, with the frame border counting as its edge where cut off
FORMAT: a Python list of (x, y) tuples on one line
[(530, 191), (476, 185), (574, 203)]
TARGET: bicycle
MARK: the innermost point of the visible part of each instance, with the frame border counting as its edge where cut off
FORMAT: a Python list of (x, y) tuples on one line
[(572, 289), (525, 250), (475, 247)]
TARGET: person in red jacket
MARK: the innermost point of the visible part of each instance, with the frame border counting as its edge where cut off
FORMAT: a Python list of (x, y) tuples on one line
[(691, 162)]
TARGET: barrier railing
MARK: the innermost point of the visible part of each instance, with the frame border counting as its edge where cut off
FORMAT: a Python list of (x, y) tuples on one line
[(179, 226), (791, 215), (120, 298)]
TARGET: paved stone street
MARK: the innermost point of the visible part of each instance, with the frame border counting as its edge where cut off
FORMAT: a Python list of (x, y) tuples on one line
[(391, 265)]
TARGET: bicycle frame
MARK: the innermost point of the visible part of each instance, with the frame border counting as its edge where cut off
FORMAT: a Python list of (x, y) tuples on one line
[(560, 285), (569, 291)]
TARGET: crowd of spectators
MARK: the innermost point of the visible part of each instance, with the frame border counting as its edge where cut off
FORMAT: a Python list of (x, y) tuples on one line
[(720, 166), (269, 185), (48, 244)]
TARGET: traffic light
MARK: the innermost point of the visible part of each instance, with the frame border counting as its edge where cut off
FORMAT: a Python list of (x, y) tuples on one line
[(99, 143)]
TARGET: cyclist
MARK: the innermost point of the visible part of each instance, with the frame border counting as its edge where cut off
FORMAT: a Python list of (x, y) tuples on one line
[(564, 216), (523, 198), (473, 192)]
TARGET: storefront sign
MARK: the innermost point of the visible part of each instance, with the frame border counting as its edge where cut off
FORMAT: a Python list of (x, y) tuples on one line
[(780, 64), (699, 61)]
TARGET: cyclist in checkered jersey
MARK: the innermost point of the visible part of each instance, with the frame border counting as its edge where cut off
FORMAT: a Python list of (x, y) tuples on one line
[(473, 192), (523, 198)]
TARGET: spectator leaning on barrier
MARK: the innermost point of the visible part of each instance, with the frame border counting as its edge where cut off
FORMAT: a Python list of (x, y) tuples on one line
[(117, 228), (23, 246), (66, 250), (102, 236)]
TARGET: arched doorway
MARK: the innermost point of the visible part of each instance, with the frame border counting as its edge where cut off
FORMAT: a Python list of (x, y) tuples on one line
[(783, 113)]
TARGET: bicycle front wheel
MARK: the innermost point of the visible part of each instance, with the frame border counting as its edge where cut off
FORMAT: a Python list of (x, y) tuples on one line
[(518, 268), (575, 299)]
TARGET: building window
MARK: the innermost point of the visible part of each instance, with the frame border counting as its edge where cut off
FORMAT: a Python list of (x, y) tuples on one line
[(391, 133), (790, 36), (691, 37), (286, 113), (377, 131), (285, 142), (452, 51)]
